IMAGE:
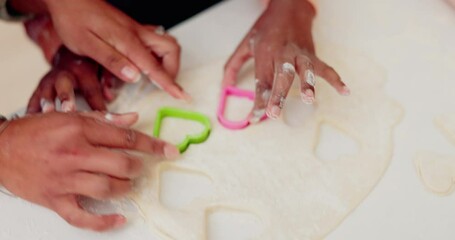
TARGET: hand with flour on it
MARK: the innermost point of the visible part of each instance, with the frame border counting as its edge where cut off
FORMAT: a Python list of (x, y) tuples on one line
[(52, 159), (281, 44), (69, 73), (72, 74)]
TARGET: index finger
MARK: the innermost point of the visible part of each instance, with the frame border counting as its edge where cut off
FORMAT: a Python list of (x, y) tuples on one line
[(236, 61), (103, 134), (114, 61)]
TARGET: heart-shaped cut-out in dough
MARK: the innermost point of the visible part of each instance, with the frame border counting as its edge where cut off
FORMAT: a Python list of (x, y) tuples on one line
[(272, 171), (237, 92), (187, 115), (437, 171)]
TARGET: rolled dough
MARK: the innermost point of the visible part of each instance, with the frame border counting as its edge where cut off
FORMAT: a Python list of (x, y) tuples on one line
[(436, 171), (271, 169)]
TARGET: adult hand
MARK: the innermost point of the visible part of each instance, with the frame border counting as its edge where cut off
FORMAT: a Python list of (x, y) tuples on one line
[(282, 46), (69, 74), (95, 29), (52, 159)]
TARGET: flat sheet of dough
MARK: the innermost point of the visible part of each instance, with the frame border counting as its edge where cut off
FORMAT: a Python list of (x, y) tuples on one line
[(271, 169), (436, 171)]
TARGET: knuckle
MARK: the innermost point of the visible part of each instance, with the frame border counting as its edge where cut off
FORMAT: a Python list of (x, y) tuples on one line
[(126, 166), (75, 125), (113, 60), (130, 138), (104, 189)]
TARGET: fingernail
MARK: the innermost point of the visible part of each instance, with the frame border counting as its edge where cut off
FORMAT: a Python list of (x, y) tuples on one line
[(109, 117), (171, 152), (288, 68), (257, 116), (129, 117), (119, 221), (308, 96), (157, 85), (186, 97), (160, 30), (274, 112), (131, 74), (309, 78), (108, 94), (345, 91), (68, 106), (46, 106)]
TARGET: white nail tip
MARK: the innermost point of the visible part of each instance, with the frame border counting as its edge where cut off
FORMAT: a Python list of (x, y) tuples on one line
[(310, 78), (109, 117), (288, 67)]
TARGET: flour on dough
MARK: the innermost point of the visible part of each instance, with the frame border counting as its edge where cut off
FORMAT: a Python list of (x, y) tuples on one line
[(271, 169), (436, 171)]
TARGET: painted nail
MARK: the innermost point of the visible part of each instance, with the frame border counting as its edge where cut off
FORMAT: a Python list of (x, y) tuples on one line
[(257, 115), (274, 112), (68, 106), (309, 78), (171, 152), (131, 74), (160, 30), (46, 106), (345, 91), (128, 118), (109, 117), (157, 85), (308, 96), (288, 68)]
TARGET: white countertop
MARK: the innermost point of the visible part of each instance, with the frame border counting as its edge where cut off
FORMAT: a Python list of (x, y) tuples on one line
[(412, 40)]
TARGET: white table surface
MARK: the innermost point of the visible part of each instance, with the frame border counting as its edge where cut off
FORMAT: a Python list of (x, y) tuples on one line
[(414, 40)]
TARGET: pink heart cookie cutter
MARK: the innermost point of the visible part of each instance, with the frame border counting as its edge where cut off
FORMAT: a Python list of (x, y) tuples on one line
[(236, 92)]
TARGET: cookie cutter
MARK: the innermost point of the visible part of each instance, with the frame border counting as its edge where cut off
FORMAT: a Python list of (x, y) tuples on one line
[(236, 92), (187, 115)]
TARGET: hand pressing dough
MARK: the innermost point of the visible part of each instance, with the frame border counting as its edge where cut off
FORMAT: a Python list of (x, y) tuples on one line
[(271, 169), (437, 172)]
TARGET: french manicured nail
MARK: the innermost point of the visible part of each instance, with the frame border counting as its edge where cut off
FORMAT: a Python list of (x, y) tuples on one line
[(309, 78), (308, 96), (131, 74), (345, 91), (109, 117), (160, 30), (257, 115), (171, 152), (46, 106), (121, 118), (274, 112), (68, 106)]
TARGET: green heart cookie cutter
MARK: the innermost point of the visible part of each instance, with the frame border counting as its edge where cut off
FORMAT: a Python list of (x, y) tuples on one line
[(187, 115)]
